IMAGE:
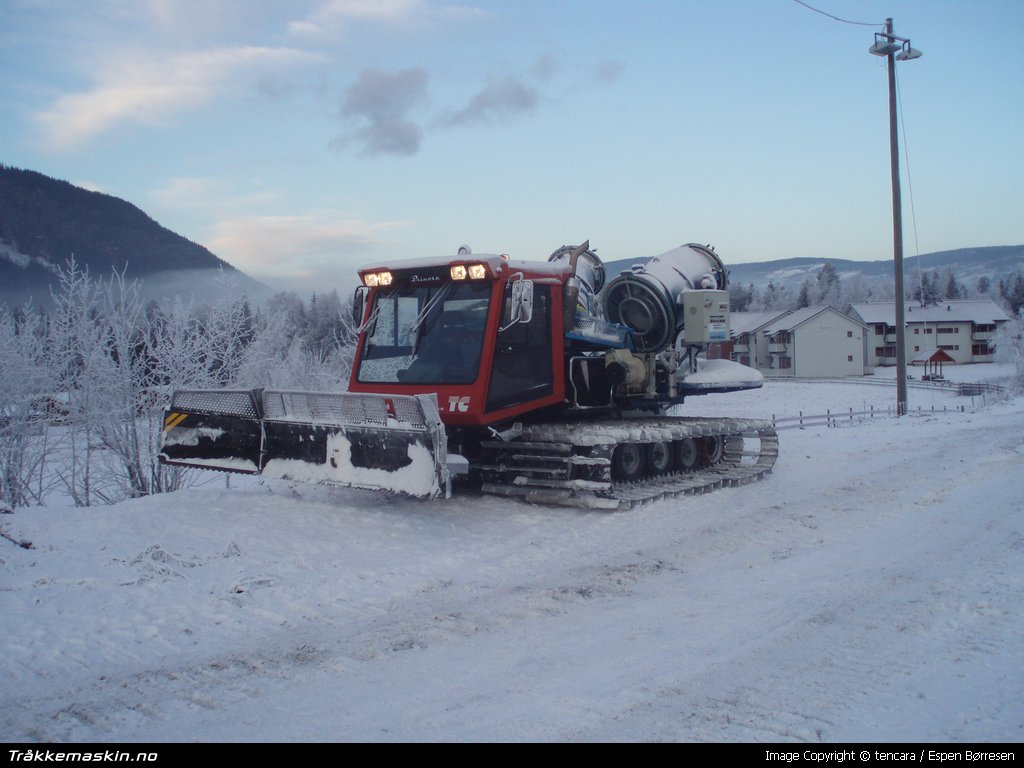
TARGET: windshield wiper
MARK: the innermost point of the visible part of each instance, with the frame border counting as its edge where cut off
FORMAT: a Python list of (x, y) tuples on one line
[(428, 307)]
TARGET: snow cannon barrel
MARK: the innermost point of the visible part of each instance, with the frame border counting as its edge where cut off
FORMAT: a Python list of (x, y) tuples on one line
[(649, 298)]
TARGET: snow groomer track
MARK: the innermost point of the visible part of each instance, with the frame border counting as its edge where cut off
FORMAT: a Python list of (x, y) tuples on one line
[(620, 463)]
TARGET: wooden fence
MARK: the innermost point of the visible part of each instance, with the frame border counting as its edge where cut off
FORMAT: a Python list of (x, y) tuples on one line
[(832, 418)]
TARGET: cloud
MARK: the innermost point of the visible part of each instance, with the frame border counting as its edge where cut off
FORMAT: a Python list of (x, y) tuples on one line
[(608, 71), (149, 89), (499, 101), (211, 195), (295, 246), (379, 106), (329, 19), (379, 103), (545, 67)]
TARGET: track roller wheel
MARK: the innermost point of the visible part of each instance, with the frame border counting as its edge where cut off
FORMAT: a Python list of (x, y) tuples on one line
[(713, 449), (687, 454), (628, 462), (659, 458)]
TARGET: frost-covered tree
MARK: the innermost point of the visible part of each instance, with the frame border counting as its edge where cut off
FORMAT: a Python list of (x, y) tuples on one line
[(804, 297), (828, 288), (1012, 291), (740, 296), (953, 288), (927, 291), (1010, 349), (130, 424), (81, 371), (25, 408), (855, 290), (104, 364)]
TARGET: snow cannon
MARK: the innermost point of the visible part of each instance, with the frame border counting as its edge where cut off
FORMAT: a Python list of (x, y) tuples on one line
[(649, 298)]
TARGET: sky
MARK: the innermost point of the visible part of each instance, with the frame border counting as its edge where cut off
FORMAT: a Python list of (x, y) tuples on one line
[(299, 140)]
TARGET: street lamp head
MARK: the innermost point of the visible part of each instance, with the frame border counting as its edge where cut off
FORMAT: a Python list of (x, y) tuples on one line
[(883, 45), (908, 54)]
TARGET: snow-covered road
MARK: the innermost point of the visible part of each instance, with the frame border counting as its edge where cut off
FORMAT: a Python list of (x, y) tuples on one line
[(869, 589)]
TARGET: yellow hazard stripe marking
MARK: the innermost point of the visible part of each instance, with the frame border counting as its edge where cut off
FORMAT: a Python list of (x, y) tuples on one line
[(174, 420)]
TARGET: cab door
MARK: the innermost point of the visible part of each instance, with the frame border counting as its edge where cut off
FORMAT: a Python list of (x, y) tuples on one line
[(521, 370)]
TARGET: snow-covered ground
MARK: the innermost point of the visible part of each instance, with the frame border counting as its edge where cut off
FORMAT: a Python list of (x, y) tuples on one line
[(868, 589)]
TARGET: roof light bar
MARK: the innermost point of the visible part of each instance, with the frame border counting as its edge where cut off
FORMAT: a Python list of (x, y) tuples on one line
[(377, 279)]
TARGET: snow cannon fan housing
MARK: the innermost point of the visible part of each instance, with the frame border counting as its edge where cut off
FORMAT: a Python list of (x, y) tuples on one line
[(649, 298)]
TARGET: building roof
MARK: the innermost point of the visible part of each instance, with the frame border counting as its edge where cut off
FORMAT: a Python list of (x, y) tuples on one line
[(800, 316), (981, 311), (745, 322), (932, 355)]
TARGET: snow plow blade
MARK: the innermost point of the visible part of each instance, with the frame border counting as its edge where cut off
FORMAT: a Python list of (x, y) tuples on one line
[(395, 443)]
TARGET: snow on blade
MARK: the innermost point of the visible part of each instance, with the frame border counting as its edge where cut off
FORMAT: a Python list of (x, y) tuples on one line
[(418, 478), (191, 435)]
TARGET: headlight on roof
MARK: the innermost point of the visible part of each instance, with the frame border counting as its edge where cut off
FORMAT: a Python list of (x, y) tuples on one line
[(458, 272), (477, 272), (375, 279)]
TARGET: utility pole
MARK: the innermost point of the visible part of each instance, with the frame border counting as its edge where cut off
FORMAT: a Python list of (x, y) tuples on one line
[(887, 44)]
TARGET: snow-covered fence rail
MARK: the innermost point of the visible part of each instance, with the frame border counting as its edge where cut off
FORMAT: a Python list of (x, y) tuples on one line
[(978, 388), (968, 389), (840, 418)]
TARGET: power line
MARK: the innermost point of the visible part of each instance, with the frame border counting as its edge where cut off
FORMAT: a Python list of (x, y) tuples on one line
[(910, 189), (836, 18)]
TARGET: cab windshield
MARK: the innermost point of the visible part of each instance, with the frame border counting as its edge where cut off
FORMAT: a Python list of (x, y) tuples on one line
[(426, 334)]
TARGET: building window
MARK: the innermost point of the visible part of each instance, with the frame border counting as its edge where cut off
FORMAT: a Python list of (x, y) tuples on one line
[(785, 362), (917, 331), (917, 349), (949, 347), (980, 349), (849, 358), (927, 330), (880, 330), (984, 327), (946, 330), (849, 334)]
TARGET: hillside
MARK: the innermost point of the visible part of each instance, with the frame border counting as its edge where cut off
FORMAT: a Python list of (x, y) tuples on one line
[(45, 221), (967, 264), (859, 593)]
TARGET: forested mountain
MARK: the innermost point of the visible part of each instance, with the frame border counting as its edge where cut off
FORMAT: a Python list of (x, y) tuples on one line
[(44, 222), (995, 272)]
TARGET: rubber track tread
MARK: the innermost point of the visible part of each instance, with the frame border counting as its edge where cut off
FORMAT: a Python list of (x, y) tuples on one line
[(509, 472)]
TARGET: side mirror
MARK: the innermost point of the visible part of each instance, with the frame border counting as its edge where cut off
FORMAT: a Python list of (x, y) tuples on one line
[(522, 302), (359, 305)]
